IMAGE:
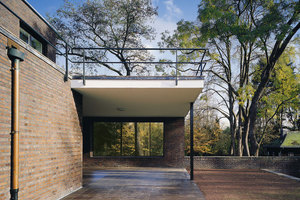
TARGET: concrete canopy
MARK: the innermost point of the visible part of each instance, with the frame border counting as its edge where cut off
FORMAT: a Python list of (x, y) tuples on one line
[(138, 97)]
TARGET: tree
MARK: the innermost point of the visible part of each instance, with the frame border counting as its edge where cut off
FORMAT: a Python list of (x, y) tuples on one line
[(207, 131), (281, 96), (239, 34), (110, 24)]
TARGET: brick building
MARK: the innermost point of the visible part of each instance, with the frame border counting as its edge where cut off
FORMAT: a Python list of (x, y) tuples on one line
[(63, 122), (50, 133)]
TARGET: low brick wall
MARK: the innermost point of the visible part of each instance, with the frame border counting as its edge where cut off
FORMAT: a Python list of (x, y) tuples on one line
[(282, 163), (124, 162)]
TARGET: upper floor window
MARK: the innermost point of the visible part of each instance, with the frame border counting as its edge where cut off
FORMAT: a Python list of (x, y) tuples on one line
[(32, 41)]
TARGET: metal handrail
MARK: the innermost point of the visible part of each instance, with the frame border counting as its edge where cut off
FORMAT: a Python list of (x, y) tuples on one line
[(199, 69)]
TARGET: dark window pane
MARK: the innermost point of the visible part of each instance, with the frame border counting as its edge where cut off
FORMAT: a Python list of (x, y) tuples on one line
[(107, 139), (36, 44), (128, 139), (156, 146), (144, 138), (24, 35)]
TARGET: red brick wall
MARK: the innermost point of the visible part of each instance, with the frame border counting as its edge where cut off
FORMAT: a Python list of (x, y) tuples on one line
[(50, 133), (173, 149)]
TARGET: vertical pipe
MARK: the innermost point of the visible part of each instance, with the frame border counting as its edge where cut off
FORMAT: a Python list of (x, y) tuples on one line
[(176, 80), (192, 140), (91, 131), (121, 146), (149, 139), (136, 138), (67, 63), (83, 68), (16, 57)]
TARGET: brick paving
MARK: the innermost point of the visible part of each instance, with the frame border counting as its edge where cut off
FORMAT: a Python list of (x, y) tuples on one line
[(246, 184), (137, 183)]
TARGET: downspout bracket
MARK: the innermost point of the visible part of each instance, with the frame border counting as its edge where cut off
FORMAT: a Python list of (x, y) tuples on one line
[(14, 53), (14, 194)]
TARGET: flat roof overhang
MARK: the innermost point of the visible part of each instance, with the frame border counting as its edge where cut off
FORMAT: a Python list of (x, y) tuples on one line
[(137, 96)]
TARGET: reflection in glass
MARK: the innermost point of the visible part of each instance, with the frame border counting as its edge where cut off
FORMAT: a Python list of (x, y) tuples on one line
[(128, 139), (128, 136), (24, 35), (36, 44), (107, 139)]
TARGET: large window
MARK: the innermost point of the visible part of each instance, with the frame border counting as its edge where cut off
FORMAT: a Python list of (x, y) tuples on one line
[(128, 138)]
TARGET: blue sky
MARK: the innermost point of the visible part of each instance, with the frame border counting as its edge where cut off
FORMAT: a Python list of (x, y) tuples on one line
[(169, 13), (173, 9)]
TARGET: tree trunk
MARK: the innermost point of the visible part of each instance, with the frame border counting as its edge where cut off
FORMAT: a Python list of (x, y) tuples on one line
[(246, 138), (232, 119), (239, 136), (240, 143), (233, 137), (256, 153), (252, 118)]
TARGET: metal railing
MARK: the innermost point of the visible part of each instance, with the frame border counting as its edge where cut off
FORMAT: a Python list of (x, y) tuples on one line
[(200, 64), (68, 51)]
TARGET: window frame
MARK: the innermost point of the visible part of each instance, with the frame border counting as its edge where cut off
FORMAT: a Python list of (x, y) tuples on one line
[(31, 36)]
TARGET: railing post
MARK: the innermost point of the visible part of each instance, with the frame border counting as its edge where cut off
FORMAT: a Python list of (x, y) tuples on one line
[(67, 64), (176, 79), (83, 68), (16, 57), (192, 141)]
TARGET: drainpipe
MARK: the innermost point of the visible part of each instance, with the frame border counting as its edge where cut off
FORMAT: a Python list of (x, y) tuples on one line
[(16, 57)]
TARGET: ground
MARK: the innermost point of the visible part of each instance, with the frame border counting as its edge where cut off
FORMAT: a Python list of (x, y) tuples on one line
[(136, 184), (236, 184)]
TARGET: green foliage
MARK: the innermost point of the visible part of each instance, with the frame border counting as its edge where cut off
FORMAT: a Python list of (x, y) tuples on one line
[(208, 138), (245, 93), (222, 146), (281, 99), (284, 85)]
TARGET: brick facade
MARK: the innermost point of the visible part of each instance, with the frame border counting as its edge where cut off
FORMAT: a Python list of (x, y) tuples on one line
[(50, 132), (173, 147)]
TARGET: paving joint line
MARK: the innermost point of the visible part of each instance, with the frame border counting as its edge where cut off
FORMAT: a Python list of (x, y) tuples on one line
[(281, 174)]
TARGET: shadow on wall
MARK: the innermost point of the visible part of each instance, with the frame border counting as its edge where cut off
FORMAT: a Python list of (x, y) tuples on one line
[(49, 35)]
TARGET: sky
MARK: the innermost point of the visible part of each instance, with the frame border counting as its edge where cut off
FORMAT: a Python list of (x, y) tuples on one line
[(169, 13), (170, 10)]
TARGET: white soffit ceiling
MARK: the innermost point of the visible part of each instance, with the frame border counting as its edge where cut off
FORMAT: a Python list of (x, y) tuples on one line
[(137, 98)]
